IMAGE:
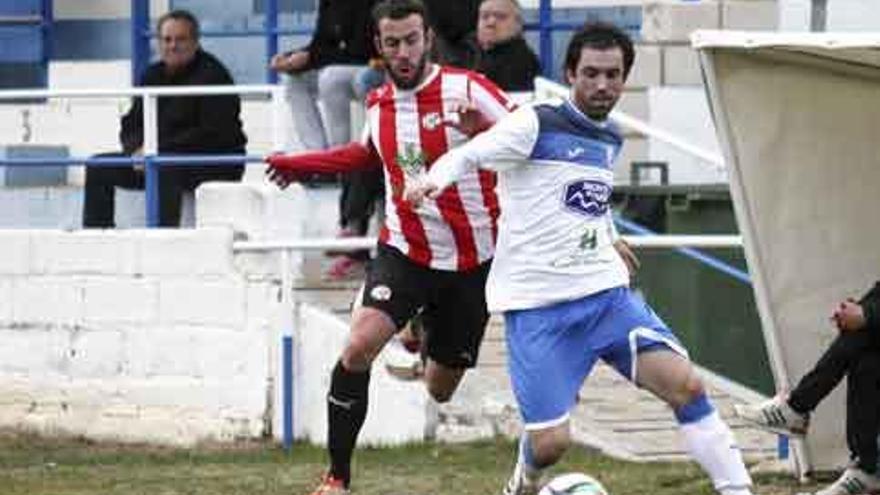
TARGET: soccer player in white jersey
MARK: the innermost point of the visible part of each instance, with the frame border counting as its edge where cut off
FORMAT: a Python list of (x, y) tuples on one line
[(435, 259), (557, 277)]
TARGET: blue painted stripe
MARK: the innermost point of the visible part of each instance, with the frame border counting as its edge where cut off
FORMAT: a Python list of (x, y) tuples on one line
[(20, 7)]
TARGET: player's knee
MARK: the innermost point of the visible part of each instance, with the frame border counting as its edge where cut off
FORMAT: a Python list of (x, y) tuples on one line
[(693, 387), (690, 389), (357, 355)]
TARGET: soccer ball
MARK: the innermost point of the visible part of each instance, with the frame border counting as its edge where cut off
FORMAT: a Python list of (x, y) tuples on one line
[(573, 484)]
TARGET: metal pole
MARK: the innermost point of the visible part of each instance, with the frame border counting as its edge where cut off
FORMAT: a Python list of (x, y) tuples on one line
[(151, 190), (271, 26), (819, 15), (545, 19), (46, 26), (279, 116), (287, 349), (140, 43), (151, 168)]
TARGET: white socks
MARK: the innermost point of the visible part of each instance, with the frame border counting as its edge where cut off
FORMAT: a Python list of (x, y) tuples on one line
[(711, 443)]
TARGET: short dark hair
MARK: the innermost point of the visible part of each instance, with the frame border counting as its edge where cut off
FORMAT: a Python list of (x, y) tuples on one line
[(399, 9), (181, 15), (600, 36)]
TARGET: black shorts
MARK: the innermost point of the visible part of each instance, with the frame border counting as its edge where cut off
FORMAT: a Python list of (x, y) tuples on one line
[(452, 304)]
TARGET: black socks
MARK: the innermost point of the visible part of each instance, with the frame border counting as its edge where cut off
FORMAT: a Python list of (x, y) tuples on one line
[(346, 412)]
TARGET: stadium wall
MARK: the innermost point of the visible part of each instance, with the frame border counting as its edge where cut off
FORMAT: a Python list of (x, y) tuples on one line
[(172, 336)]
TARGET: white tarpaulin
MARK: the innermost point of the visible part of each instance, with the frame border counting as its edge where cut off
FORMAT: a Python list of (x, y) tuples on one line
[(798, 118)]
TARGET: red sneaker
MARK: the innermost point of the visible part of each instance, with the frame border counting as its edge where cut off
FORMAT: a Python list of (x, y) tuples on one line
[(331, 486)]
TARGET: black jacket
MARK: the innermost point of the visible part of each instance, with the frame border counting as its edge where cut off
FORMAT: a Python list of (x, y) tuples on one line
[(454, 23), (343, 34), (870, 303), (453, 19), (189, 124), (511, 65)]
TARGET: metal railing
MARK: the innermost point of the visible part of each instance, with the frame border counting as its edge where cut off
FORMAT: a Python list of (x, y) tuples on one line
[(151, 159), (141, 34), (289, 307)]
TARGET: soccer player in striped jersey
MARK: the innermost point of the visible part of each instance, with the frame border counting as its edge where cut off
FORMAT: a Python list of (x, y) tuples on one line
[(560, 275), (434, 259)]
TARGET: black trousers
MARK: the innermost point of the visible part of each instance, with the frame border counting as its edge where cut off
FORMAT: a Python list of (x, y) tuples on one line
[(100, 202), (361, 191), (855, 355)]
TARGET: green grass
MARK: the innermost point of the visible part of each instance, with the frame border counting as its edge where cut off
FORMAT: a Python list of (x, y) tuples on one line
[(62, 466)]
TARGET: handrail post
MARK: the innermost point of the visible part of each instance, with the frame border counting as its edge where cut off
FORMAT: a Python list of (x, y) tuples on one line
[(545, 19), (151, 167), (151, 190), (287, 321), (140, 44), (47, 28), (271, 26), (279, 109)]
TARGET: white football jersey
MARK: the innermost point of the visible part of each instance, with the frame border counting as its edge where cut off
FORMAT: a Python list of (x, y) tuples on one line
[(556, 234)]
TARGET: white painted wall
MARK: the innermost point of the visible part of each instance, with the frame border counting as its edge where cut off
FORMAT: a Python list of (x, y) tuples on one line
[(168, 335), (841, 15)]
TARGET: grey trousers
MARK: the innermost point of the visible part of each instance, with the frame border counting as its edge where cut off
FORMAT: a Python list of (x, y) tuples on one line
[(333, 86)]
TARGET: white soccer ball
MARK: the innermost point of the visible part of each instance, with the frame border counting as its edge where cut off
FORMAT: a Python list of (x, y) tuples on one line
[(573, 484)]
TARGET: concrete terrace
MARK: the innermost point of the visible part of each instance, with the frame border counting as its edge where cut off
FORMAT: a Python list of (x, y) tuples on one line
[(611, 415)]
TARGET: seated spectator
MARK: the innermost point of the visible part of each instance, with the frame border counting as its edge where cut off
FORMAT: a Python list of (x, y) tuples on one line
[(504, 56), (855, 353), (327, 70), (186, 125)]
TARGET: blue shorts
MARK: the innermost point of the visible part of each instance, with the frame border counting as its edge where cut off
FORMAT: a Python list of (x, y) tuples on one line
[(552, 349)]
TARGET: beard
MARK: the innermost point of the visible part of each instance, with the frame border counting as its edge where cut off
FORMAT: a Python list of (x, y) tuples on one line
[(598, 109), (415, 79)]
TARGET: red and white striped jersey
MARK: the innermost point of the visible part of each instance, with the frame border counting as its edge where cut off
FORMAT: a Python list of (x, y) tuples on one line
[(409, 129)]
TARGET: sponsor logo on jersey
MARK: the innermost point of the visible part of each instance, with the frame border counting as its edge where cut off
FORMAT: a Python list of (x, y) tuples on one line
[(587, 197), (381, 293)]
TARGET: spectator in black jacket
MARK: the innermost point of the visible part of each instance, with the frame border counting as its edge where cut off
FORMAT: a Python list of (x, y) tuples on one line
[(855, 353), (186, 125), (504, 56)]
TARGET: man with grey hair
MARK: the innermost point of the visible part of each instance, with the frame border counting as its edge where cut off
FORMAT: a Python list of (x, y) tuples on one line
[(504, 56), (186, 125)]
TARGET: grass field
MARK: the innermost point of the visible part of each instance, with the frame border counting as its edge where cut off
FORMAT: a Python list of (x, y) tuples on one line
[(42, 466)]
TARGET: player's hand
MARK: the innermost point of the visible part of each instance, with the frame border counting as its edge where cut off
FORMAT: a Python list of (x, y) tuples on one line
[(849, 316), (467, 119), (289, 62), (629, 257), (416, 192), (282, 177)]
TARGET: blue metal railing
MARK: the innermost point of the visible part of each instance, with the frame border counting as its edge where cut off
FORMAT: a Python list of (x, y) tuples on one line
[(692, 253), (141, 34), (151, 165)]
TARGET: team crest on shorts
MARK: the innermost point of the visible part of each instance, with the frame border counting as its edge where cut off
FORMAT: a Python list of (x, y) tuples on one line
[(380, 293)]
